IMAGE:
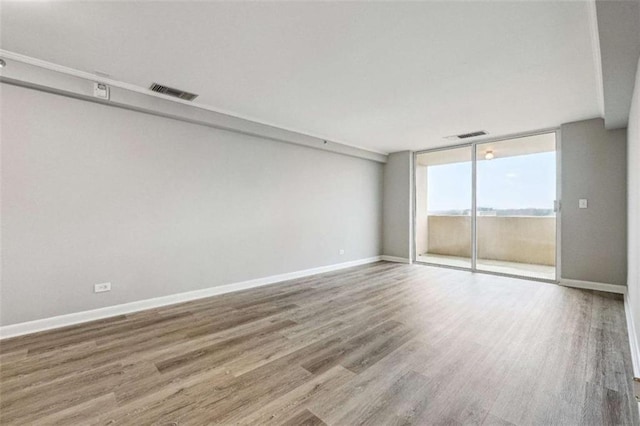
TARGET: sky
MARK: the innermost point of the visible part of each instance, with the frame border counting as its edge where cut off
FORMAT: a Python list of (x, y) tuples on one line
[(524, 181)]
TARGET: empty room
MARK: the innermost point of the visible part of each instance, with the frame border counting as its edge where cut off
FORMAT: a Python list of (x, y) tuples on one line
[(320, 212)]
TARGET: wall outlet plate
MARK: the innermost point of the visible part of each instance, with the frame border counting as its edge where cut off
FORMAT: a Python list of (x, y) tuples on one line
[(341, 251), (101, 288), (582, 203)]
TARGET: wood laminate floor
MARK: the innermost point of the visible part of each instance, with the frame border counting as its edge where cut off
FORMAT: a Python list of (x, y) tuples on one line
[(378, 344)]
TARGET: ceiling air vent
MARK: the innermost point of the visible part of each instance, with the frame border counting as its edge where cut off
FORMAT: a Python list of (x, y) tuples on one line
[(467, 135), (170, 91)]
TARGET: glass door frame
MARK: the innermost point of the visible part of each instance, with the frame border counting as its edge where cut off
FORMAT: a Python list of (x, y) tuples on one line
[(474, 243)]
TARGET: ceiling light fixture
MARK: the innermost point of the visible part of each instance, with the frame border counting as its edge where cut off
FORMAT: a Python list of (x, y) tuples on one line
[(488, 155), (2, 63)]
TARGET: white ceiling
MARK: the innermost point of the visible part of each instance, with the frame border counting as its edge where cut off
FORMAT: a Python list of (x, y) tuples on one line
[(384, 76)]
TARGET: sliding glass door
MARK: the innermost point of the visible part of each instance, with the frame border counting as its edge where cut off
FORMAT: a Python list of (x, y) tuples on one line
[(489, 206), (443, 207), (515, 217)]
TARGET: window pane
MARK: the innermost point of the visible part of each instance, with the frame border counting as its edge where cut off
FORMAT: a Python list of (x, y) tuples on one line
[(516, 221), (443, 207)]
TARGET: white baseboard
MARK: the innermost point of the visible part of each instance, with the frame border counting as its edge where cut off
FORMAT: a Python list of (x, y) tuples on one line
[(633, 339), (395, 259), (29, 327), (590, 285)]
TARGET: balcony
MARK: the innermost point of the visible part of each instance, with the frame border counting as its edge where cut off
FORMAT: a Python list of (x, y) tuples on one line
[(518, 245)]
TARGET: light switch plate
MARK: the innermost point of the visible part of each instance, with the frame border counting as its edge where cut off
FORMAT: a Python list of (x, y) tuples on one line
[(101, 288), (582, 203)]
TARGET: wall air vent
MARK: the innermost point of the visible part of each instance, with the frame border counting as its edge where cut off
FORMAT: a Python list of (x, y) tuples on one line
[(467, 135), (169, 91)]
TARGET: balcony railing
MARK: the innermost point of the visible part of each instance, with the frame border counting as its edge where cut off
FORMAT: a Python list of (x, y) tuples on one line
[(522, 239)]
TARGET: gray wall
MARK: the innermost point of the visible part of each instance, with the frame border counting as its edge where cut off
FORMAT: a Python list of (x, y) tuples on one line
[(633, 163), (594, 240), (397, 210), (155, 206)]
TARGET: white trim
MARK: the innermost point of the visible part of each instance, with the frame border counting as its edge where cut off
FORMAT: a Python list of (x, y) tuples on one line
[(590, 285), (596, 54), (634, 347), (633, 338), (395, 259), (7, 54), (20, 329), (559, 201), (474, 207)]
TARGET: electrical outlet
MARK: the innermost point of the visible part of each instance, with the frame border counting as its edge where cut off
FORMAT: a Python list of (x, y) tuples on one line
[(582, 203), (341, 251), (101, 288)]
